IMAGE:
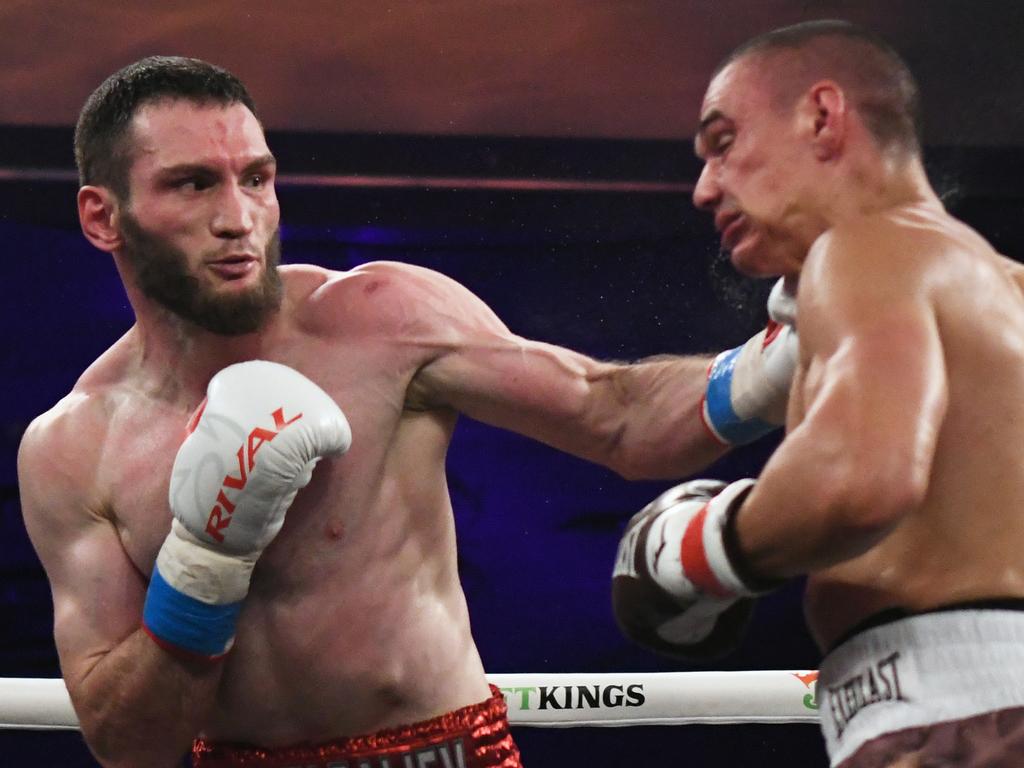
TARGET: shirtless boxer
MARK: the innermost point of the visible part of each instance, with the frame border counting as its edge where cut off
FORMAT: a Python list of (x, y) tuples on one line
[(899, 487), (349, 642)]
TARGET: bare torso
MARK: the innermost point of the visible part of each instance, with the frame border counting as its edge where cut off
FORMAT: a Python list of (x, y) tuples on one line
[(966, 541), (355, 619)]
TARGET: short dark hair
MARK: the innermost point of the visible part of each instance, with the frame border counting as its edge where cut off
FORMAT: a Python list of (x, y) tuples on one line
[(880, 84), (102, 144)]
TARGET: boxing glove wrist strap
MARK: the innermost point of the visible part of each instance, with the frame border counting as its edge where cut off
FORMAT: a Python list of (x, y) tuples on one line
[(195, 596), (753, 583), (709, 548), (174, 619), (720, 409), (702, 555), (748, 387)]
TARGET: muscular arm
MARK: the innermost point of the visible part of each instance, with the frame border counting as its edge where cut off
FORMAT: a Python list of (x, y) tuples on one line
[(642, 420), (137, 704), (873, 398)]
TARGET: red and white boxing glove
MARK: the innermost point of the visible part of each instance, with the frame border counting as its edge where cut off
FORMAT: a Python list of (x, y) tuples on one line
[(748, 387), (675, 587), (252, 446)]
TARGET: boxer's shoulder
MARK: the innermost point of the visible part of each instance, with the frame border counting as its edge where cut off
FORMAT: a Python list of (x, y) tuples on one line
[(368, 280), (887, 253), (47, 437), (59, 459), (870, 238), (382, 298), (67, 441)]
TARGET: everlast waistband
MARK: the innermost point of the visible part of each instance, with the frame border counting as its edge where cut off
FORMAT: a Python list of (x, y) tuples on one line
[(920, 670)]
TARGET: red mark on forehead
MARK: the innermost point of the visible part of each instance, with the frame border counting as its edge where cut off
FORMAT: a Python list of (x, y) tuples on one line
[(180, 131)]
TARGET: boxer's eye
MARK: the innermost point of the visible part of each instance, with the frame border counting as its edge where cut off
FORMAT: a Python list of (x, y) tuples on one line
[(258, 180), (188, 184), (721, 143), (192, 184)]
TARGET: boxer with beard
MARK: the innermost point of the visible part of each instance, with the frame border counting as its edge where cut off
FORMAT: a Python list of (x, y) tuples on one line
[(163, 276)]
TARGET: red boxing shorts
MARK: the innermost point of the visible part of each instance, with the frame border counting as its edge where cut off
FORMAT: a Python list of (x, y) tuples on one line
[(476, 736)]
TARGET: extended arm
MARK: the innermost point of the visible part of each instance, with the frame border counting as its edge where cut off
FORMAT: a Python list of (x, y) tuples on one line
[(646, 419), (642, 420)]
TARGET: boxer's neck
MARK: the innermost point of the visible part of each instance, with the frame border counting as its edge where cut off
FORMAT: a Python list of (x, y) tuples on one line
[(174, 350)]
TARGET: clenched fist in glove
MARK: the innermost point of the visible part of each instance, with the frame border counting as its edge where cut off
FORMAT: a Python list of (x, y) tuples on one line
[(252, 446), (675, 588)]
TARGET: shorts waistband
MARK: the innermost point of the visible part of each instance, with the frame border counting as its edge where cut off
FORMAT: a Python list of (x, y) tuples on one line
[(896, 613), (920, 670), (476, 736)]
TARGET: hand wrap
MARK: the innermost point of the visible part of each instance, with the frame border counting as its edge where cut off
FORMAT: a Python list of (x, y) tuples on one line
[(748, 387)]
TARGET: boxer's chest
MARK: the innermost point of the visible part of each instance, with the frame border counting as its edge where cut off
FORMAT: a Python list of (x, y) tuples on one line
[(136, 469), (369, 382)]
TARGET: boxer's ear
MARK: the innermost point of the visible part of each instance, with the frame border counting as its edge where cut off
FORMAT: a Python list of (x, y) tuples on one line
[(98, 210), (824, 119)]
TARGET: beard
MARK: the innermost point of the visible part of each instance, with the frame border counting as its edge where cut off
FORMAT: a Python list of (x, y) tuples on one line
[(163, 274)]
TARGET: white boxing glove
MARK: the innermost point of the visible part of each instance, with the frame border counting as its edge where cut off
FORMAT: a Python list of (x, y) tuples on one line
[(675, 586), (252, 446), (782, 303), (748, 387)]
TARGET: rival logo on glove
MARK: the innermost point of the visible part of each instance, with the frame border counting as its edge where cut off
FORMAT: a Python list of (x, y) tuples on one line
[(220, 515)]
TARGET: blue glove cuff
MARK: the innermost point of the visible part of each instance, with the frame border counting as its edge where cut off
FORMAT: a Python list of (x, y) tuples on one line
[(729, 427), (181, 621)]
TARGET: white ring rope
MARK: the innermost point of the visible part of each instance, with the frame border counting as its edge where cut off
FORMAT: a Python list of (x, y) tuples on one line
[(546, 700)]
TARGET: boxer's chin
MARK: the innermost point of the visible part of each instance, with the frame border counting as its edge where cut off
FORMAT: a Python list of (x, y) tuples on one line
[(760, 254), (236, 313), (163, 274)]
